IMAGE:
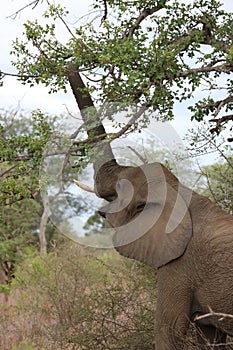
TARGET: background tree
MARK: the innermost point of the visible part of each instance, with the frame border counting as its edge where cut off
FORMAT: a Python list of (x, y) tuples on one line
[(219, 179), (216, 178), (23, 227)]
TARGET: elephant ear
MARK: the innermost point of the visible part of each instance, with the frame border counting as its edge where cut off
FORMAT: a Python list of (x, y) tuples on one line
[(159, 233), (172, 231)]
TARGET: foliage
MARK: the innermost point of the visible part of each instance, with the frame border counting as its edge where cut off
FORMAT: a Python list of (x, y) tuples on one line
[(22, 141), (83, 300), (23, 138), (18, 233), (143, 52), (215, 179), (219, 179)]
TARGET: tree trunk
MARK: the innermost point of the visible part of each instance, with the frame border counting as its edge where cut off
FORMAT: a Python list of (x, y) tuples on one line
[(43, 224), (106, 168)]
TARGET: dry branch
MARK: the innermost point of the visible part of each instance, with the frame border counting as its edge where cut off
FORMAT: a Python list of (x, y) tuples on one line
[(221, 315)]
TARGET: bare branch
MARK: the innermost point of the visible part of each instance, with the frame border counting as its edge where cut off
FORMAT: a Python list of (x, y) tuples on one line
[(64, 164), (144, 160), (83, 186), (221, 315), (143, 15), (131, 122), (32, 4), (66, 25), (3, 74)]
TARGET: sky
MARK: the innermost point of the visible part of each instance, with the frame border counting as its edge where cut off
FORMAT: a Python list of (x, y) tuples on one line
[(14, 94)]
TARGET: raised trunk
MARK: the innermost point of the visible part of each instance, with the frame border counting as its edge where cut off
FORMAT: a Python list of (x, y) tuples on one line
[(106, 169)]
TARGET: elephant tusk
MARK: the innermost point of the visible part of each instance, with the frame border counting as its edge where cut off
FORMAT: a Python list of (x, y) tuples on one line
[(83, 187)]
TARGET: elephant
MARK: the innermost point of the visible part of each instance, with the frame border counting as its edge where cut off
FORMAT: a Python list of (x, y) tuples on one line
[(186, 237)]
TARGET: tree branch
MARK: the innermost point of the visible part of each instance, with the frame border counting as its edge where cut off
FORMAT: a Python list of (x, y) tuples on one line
[(225, 68), (218, 105), (105, 11), (143, 15), (143, 160), (89, 114), (32, 4), (8, 170)]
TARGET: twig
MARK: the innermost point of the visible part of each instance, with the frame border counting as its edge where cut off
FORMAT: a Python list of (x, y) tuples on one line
[(212, 313), (144, 160), (32, 4), (9, 170), (143, 15), (64, 164)]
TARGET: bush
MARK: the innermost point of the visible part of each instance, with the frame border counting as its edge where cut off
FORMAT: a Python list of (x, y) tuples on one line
[(82, 299)]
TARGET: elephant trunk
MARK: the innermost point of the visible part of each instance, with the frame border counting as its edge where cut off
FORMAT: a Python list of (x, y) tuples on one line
[(106, 168), (106, 178)]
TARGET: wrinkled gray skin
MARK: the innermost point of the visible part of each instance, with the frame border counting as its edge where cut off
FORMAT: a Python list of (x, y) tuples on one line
[(186, 236)]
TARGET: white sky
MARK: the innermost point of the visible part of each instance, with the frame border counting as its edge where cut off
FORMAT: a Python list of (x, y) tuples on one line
[(13, 93)]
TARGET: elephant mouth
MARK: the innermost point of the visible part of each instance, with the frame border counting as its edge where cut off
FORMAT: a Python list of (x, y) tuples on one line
[(136, 226)]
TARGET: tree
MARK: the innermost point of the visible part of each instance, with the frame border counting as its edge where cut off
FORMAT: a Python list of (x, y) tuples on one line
[(22, 140), (219, 178), (24, 224), (147, 53)]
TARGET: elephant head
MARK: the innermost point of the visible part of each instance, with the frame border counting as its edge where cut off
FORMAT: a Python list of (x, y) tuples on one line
[(151, 218), (146, 207)]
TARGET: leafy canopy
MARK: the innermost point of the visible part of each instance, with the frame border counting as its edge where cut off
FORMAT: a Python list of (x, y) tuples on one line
[(151, 53)]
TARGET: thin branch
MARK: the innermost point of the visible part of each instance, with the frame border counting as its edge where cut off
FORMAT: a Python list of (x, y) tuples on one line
[(218, 104), (205, 174), (3, 74), (143, 15), (64, 164), (223, 119), (212, 313), (144, 160), (225, 68), (9, 170), (25, 76), (66, 25), (32, 4), (43, 224), (131, 122)]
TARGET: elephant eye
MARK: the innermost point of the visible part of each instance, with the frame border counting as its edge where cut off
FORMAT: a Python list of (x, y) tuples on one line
[(140, 206)]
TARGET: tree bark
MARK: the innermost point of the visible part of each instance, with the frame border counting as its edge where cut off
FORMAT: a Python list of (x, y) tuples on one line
[(43, 224), (105, 162)]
